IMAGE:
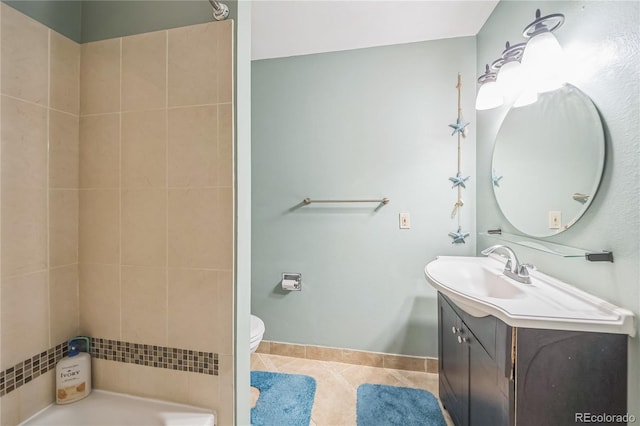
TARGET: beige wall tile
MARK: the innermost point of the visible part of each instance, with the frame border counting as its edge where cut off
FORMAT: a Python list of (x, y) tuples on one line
[(25, 50), (64, 303), (100, 151), (144, 305), (225, 60), (24, 231), (144, 227), (224, 308), (193, 309), (201, 228), (99, 226), (64, 150), (225, 403), (362, 358), (63, 226), (100, 77), (110, 375), (65, 74), (36, 395), (401, 362), (193, 147), (225, 145), (10, 403), (100, 301), (144, 71), (24, 317), (144, 149), (288, 349), (324, 353), (24, 144), (156, 382), (204, 391), (192, 65)]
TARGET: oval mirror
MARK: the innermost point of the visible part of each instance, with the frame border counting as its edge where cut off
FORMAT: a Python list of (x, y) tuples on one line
[(547, 161)]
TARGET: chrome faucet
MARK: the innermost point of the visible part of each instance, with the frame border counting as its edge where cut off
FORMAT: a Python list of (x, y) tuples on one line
[(513, 268)]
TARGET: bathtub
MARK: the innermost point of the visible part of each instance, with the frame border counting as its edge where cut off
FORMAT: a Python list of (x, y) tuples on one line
[(102, 408)]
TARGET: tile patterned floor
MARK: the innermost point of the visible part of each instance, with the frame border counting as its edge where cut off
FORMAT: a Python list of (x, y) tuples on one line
[(335, 401)]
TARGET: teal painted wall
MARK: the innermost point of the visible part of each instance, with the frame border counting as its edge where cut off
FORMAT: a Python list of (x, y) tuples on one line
[(603, 38), (92, 20), (367, 123), (62, 16), (108, 19)]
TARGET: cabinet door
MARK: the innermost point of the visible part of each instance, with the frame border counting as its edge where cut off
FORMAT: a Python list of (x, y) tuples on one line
[(454, 365), (488, 406)]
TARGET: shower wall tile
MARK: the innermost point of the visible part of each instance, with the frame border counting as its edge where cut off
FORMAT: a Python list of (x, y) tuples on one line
[(64, 91), (144, 227), (144, 71), (24, 231), (63, 227), (64, 150), (100, 151), (144, 149), (193, 70), (193, 309), (193, 147), (24, 330), (225, 61), (24, 57), (24, 144), (144, 305), (100, 227), (100, 77), (200, 228), (63, 302), (225, 304), (225, 145), (100, 300)]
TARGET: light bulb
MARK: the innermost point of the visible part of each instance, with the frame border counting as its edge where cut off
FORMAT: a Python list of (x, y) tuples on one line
[(489, 96), (543, 61)]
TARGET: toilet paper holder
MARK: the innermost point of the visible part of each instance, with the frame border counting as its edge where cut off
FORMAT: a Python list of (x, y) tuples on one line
[(291, 281)]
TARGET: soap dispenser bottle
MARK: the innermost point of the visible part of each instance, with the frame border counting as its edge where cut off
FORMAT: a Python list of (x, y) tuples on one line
[(73, 375)]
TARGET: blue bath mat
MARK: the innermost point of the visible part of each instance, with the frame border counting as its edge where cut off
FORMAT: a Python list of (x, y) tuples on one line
[(285, 399), (381, 405)]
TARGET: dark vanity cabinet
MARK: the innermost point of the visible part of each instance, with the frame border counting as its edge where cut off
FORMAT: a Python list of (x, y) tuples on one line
[(492, 374)]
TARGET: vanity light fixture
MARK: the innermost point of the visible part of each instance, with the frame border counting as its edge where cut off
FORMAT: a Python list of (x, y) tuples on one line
[(543, 58), (489, 94), (510, 75)]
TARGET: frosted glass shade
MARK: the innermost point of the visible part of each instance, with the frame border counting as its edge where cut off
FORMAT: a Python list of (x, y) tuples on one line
[(489, 96), (543, 61), (511, 79)]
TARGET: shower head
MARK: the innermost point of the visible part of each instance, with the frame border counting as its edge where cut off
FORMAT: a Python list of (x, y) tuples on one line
[(220, 10)]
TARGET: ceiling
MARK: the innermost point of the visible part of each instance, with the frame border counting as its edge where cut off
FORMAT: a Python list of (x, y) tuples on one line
[(300, 27)]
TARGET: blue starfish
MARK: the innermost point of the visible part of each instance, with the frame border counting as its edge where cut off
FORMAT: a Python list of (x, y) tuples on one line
[(458, 236), (459, 127), (459, 180), (495, 178)]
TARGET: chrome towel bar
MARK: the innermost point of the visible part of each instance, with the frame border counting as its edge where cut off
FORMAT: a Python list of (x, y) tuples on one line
[(382, 201)]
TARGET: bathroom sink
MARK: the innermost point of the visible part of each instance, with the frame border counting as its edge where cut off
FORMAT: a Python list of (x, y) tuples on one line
[(479, 286)]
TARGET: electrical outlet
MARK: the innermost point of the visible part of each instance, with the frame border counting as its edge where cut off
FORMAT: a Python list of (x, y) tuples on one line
[(555, 219), (405, 220)]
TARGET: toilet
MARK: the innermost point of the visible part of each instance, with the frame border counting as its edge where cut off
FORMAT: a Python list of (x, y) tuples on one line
[(257, 331)]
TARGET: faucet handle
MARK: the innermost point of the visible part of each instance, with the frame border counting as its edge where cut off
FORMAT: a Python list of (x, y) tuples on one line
[(524, 269)]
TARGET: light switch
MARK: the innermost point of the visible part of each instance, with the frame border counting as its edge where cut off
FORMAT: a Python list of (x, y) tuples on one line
[(405, 220), (555, 219)]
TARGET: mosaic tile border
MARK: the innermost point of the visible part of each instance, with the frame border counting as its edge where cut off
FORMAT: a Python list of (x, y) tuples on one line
[(113, 350), (24, 372)]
